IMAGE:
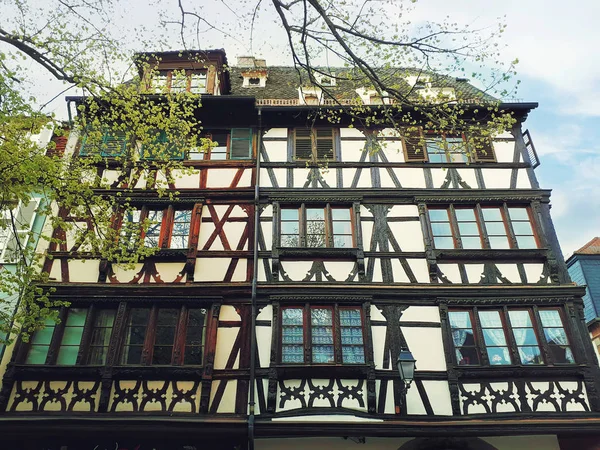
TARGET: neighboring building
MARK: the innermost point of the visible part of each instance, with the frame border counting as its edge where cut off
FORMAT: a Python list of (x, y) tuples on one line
[(584, 269), (335, 259)]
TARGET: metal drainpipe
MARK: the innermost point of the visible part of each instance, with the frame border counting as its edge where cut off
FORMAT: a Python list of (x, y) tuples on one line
[(251, 399)]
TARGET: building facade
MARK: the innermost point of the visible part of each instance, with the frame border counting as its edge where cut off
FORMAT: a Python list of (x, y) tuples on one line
[(584, 269), (294, 266)]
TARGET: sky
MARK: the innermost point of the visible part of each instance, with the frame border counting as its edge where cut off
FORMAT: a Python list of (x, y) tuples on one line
[(556, 44)]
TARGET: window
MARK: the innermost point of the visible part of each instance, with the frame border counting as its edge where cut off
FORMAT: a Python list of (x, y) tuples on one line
[(176, 81), (314, 144), (309, 335), (164, 228), (67, 339), (226, 144), (111, 144), (161, 148), (446, 149), (494, 227), (493, 336), (23, 217), (316, 226), (164, 336), (419, 146)]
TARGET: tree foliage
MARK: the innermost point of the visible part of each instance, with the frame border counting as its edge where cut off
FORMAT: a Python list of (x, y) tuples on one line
[(77, 44)]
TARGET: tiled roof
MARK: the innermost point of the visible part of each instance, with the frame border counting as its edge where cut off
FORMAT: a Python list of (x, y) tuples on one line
[(591, 248), (283, 83)]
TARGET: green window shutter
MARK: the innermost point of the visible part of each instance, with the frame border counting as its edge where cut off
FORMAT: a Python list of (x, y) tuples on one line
[(241, 143), (413, 145), (324, 138), (303, 144), (160, 143), (114, 143)]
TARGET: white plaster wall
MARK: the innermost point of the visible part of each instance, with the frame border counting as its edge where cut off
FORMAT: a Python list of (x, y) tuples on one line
[(351, 132), (533, 272), (276, 133), (474, 272), (214, 269), (411, 177), (225, 340), (510, 271), (301, 176), (276, 150), (496, 178), (393, 150), (169, 271), (409, 236), (227, 404), (523, 179), (109, 176), (421, 314), (439, 397), (378, 334), (426, 345), (124, 275), (468, 176), (414, 404), (438, 176), (186, 179), (451, 272), (220, 178), (352, 151), (404, 211), (389, 408), (504, 151), (83, 271)]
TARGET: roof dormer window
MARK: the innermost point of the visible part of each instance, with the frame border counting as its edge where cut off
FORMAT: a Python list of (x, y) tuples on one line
[(326, 80), (254, 81), (255, 78), (177, 81)]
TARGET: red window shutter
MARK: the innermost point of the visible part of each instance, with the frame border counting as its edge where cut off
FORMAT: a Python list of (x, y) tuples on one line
[(484, 150), (302, 144)]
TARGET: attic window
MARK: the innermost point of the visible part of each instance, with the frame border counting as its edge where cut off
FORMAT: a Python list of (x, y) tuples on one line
[(326, 80), (311, 99), (254, 81)]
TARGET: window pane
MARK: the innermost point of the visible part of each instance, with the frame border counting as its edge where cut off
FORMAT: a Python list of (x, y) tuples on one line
[(322, 335), (466, 215), (518, 214), (443, 242), (135, 334), (194, 337), (342, 241), (495, 228), (468, 228), (154, 221), (37, 354), (463, 338), (352, 336), (471, 242), (492, 214), (530, 355), (289, 227), (494, 336), (498, 242), (525, 336), (289, 214), (290, 241), (181, 229), (523, 228), (292, 348), (340, 214), (342, 228), (550, 318), (71, 338), (459, 319), (438, 215), (498, 355), (100, 339), (525, 242), (520, 318), (441, 229), (490, 319), (315, 214)]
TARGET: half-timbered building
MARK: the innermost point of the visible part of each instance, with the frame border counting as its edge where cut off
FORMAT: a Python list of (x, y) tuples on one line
[(301, 255)]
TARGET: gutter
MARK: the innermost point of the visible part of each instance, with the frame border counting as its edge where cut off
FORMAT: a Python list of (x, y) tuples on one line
[(251, 398)]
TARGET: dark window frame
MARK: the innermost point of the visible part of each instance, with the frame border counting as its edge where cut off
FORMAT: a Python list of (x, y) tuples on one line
[(328, 209), (179, 343), (84, 351), (166, 225), (484, 233), (414, 146), (313, 137), (545, 347), (187, 73), (336, 334)]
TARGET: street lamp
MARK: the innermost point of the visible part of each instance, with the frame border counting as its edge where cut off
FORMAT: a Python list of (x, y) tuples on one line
[(406, 366)]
